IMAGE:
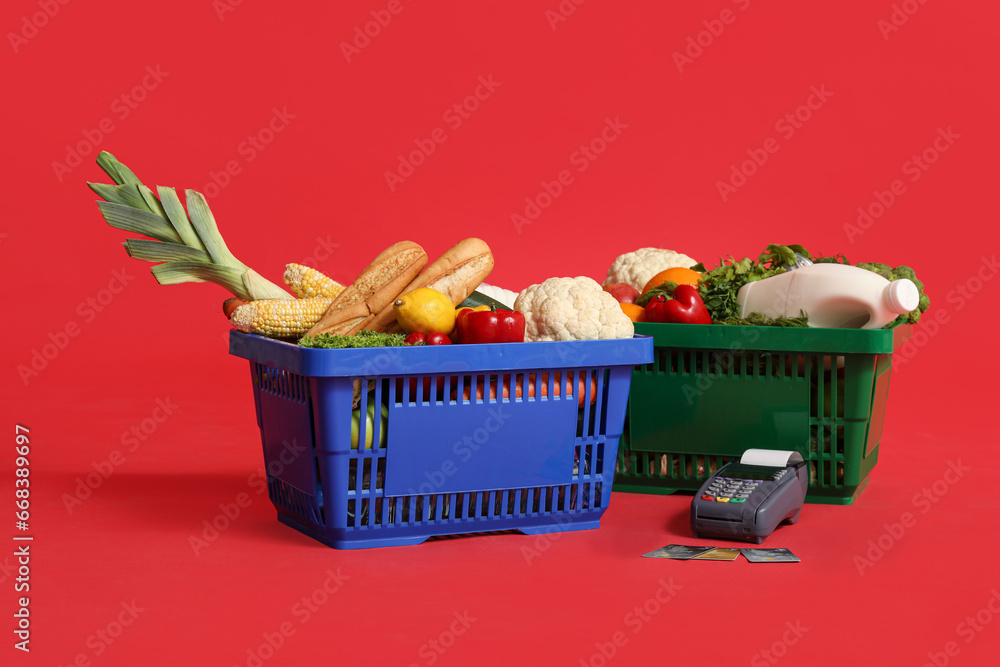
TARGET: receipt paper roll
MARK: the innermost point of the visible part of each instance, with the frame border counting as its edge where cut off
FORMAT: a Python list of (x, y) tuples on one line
[(774, 458)]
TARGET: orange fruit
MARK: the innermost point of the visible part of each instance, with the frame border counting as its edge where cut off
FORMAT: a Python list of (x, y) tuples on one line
[(678, 275), (634, 312)]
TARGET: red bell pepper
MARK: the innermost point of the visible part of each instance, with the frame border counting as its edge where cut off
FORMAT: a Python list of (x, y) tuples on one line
[(686, 307), (489, 326)]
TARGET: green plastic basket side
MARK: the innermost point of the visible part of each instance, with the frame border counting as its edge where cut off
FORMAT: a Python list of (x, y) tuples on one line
[(831, 437), (841, 473), (725, 400), (844, 426)]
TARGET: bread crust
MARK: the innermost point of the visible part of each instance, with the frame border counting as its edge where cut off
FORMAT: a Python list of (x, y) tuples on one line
[(373, 290), (456, 273)]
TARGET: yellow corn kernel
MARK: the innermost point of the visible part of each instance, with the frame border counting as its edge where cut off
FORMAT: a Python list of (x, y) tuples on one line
[(307, 282), (279, 318)]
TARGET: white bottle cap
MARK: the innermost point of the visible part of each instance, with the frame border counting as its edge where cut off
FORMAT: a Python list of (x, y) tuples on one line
[(902, 296)]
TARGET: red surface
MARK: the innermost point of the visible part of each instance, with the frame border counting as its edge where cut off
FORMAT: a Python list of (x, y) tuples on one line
[(321, 181)]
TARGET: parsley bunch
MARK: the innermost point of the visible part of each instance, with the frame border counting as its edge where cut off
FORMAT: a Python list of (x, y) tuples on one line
[(719, 287), (363, 338)]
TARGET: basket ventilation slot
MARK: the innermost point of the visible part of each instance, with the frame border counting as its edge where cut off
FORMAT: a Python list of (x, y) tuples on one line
[(293, 500), (282, 383)]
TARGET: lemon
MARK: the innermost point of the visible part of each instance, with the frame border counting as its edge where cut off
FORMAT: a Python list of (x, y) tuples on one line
[(425, 310)]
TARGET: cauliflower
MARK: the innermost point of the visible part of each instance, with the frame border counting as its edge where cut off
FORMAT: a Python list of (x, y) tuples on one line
[(638, 267), (571, 309)]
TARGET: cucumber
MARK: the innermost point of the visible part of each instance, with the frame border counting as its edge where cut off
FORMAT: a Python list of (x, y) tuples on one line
[(478, 299)]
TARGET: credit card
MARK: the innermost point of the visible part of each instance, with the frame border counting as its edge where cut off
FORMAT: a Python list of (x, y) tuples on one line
[(719, 553), (677, 552), (770, 556)]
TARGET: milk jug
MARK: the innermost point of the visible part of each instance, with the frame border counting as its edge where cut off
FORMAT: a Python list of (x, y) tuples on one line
[(832, 295)]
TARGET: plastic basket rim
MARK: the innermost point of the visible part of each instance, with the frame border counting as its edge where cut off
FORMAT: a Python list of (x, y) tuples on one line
[(409, 360), (786, 339)]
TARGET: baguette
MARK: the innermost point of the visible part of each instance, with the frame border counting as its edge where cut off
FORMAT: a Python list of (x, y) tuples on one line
[(374, 290), (456, 273), (465, 265)]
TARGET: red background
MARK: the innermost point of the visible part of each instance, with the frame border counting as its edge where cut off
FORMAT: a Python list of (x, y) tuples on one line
[(321, 180)]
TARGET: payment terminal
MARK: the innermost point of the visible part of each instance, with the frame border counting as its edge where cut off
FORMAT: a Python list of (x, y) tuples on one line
[(746, 500)]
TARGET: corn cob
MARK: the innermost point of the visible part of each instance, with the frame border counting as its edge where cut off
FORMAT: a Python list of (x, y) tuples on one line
[(279, 318), (307, 282)]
